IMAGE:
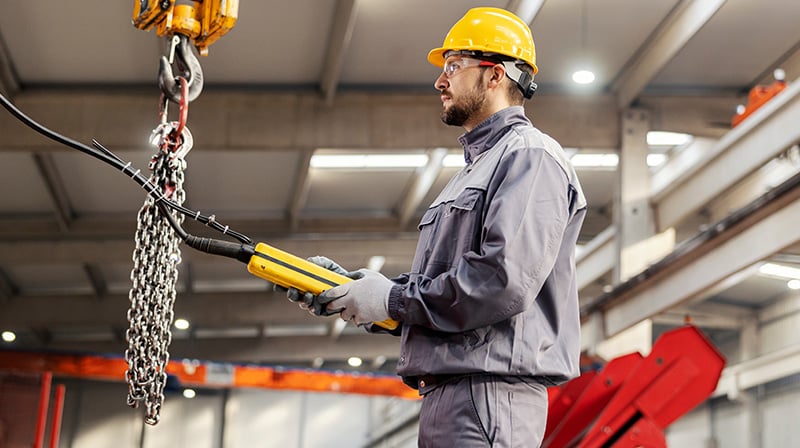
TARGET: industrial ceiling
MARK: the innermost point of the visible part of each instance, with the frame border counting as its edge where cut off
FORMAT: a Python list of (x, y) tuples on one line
[(307, 77)]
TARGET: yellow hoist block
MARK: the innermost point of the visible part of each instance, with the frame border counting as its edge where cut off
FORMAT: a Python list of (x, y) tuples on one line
[(201, 21)]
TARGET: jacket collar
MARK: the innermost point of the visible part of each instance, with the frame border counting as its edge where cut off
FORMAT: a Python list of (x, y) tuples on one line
[(484, 136)]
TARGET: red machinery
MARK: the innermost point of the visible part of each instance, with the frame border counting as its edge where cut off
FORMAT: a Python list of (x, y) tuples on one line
[(630, 401)]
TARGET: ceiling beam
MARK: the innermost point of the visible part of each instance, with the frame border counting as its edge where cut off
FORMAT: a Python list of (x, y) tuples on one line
[(96, 279), (685, 20), (763, 136), (273, 350), (725, 310), (55, 189), (787, 305), (781, 363), (337, 328), (677, 319), (203, 310), (789, 62), (266, 121), (111, 226), (188, 277), (344, 20), (597, 257), (9, 82), (707, 314), (8, 290), (525, 9), (302, 184), (421, 186), (690, 277), (101, 251)]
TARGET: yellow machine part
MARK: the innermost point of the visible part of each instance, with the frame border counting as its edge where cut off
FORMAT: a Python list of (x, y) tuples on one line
[(218, 18), (147, 13), (183, 18), (202, 21), (290, 271)]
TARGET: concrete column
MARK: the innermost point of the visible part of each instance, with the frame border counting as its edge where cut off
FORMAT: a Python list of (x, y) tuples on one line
[(633, 214), (748, 348), (633, 219), (592, 333)]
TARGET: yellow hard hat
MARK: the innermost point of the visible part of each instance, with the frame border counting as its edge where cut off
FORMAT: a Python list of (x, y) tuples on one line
[(489, 30)]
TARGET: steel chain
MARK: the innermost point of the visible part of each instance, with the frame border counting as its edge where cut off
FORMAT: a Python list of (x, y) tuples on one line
[(154, 278)]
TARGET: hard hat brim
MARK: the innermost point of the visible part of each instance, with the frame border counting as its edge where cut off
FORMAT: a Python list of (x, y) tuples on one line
[(436, 56)]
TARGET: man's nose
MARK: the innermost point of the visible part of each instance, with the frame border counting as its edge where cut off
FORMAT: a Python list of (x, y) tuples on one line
[(441, 82)]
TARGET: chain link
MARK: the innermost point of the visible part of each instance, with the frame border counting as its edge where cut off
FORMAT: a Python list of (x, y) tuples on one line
[(154, 277)]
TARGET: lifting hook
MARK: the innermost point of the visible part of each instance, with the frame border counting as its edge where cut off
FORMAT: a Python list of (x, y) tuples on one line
[(190, 70)]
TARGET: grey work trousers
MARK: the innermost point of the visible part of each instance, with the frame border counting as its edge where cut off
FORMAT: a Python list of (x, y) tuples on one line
[(484, 411)]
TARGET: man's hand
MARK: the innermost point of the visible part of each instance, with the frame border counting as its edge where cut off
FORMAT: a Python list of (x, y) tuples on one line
[(307, 300), (363, 300)]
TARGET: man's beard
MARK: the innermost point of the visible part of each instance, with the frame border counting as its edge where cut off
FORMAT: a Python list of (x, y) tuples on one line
[(464, 108)]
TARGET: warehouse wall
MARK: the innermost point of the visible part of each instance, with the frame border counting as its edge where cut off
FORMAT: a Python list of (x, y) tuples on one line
[(760, 417), (96, 416)]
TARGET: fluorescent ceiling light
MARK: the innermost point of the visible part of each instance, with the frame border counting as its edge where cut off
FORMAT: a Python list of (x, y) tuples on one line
[(378, 362), (296, 330), (227, 332), (181, 324), (596, 160), (453, 161), (368, 160), (610, 160), (793, 284), (654, 160), (780, 271), (9, 336), (189, 393), (583, 77), (376, 262), (354, 361), (661, 138)]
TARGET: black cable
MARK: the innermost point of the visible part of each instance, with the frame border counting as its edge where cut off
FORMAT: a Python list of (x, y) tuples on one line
[(241, 252), (209, 221)]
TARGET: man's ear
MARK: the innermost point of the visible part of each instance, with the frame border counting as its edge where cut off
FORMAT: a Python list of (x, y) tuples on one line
[(498, 73)]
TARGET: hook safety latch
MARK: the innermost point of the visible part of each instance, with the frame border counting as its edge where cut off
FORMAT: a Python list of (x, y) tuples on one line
[(189, 69)]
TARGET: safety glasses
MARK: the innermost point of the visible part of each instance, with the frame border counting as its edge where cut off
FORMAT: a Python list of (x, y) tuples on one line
[(453, 66)]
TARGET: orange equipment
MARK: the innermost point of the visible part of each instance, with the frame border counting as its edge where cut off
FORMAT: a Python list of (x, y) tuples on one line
[(759, 95)]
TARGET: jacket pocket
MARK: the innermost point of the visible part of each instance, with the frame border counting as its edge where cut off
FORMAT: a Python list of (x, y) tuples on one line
[(426, 235), (459, 228)]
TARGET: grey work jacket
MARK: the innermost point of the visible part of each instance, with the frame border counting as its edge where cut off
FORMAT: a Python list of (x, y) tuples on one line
[(493, 284)]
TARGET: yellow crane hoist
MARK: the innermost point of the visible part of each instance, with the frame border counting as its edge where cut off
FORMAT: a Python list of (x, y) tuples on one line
[(185, 23), (203, 22)]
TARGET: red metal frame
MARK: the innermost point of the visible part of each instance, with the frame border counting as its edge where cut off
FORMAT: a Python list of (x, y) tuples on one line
[(591, 400), (58, 410), (631, 400), (44, 402)]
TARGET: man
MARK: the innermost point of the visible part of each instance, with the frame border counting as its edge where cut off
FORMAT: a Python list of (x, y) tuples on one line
[(489, 312)]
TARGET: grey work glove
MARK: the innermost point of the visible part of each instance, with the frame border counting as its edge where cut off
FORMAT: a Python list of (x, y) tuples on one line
[(306, 300), (364, 300)]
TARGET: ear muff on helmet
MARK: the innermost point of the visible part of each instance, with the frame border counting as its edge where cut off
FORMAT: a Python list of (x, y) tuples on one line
[(523, 79)]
